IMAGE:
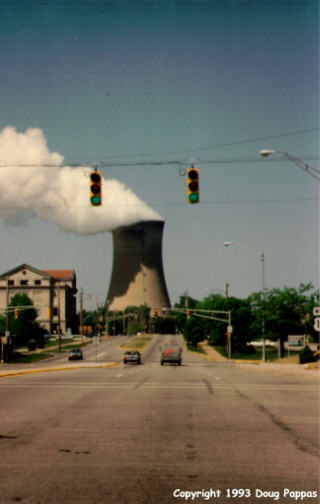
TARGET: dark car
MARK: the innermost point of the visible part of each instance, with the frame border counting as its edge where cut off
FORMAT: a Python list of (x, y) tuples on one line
[(75, 354), (132, 356)]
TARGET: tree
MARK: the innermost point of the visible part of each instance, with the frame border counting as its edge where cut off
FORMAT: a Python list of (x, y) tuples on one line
[(21, 322), (194, 330), (240, 320), (283, 311)]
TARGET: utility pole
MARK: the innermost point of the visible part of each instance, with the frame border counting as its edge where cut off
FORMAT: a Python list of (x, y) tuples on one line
[(186, 299), (81, 314), (7, 303), (263, 309), (59, 329)]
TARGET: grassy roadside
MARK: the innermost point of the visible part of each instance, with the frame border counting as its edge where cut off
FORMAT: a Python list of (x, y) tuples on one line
[(136, 343), (51, 349), (271, 355)]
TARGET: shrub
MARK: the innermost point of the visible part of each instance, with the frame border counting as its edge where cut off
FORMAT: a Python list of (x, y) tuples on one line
[(32, 345), (306, 355)]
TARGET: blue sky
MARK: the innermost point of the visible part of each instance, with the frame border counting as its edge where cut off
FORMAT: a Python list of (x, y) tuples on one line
[(132, 81)]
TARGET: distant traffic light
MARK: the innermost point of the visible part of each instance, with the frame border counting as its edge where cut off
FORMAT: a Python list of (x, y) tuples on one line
[(155, 313), (193, 185), (16, 313), (95, 188)]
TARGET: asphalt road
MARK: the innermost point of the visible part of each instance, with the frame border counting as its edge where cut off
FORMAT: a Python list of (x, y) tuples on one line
[(146, 434)]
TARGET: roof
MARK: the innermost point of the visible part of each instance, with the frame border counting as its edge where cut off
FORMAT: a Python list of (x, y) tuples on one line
[(60, 274), (24, 267), (56, 274)]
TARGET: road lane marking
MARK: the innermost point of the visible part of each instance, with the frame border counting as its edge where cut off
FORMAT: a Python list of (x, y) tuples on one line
[(157, 385)]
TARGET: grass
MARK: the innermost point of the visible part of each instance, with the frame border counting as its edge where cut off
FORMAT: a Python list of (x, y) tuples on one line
[(135, 343), (51, 348), (29, 358), (271, 355), (194, 348)]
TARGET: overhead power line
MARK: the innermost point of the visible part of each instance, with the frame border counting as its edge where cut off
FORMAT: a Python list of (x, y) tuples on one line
[(215, 146), (105, 163), (126, 164), (159, 203)]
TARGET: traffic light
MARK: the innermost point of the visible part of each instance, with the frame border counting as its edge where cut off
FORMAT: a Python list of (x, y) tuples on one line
[(188, 313), (16, 313), (193, 185), (95, 188), (155, 313), (49, 312)]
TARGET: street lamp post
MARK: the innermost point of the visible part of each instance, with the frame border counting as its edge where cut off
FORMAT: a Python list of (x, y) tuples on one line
[(313, 172), (227, 244)]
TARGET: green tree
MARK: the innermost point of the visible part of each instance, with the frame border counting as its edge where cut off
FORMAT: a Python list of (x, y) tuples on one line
[(216, 330), (194, 331), (284, 311), (22, 323), (2, 325)]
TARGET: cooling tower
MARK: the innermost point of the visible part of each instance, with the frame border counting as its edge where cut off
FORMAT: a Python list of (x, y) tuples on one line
[(137, 275)]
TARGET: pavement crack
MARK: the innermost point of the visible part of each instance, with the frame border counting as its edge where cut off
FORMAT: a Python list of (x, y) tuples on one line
[(208, 386), (142, 382), (301, 444)]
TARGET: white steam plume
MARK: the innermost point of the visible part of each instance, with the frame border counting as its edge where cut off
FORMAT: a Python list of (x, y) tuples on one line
[(33, 181)]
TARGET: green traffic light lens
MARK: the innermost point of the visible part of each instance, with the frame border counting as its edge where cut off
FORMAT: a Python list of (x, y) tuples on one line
[(193, 198), (96, 200)]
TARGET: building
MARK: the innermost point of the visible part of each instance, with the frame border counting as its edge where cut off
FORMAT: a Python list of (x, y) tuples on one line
[(137, 274), (53, 293)]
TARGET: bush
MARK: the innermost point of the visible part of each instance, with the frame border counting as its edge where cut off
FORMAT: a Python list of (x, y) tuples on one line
[(306, 355), (32, 345)]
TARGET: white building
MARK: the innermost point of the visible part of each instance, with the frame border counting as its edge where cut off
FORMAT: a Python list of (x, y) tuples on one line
[(52, 292)]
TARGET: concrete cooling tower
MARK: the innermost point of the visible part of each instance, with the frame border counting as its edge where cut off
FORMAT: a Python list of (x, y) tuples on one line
[(137, 275)]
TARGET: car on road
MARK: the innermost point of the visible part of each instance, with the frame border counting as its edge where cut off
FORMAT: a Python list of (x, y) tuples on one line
[(75, 354), (171, 353), (132, 356)]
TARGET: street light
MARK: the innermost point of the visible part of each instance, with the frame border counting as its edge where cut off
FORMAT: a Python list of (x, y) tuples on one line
[(227, 244), (315, 173)]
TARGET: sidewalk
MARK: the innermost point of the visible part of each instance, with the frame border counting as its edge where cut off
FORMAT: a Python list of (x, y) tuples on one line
[(310, 370), (212, 355)]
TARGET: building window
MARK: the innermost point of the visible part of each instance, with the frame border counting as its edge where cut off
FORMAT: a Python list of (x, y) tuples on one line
[(24, 282), (37, 282), (10, 282)]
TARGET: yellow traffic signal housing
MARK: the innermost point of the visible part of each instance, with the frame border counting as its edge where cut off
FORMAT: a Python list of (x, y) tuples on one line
[(188, 313), (193, 185), (49, 312), (95, 188), (16, 313), (155, 313)]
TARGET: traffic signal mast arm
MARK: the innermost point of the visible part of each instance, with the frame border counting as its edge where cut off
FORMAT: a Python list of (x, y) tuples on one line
[(12, 309), (208, 314)]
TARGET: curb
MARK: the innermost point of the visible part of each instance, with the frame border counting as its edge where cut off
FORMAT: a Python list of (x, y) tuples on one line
[(17, 372)]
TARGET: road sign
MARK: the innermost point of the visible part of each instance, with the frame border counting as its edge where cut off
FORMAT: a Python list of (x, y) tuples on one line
[(316, 324)]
